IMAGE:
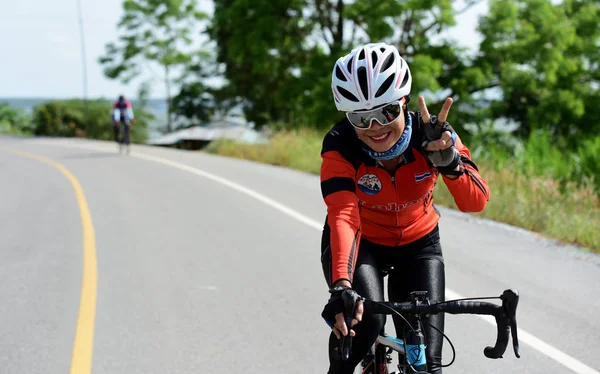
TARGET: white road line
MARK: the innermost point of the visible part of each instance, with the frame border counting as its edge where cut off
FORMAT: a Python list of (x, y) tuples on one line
[(524, 336), (238, 187)]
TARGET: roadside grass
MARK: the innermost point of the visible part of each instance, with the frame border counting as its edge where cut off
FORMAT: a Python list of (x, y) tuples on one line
[(527, 191)]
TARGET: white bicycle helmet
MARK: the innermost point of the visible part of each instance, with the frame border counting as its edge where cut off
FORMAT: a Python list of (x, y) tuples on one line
[(369, 76)]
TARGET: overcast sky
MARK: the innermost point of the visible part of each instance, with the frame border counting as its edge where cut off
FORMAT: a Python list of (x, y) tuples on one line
[(41, 47)]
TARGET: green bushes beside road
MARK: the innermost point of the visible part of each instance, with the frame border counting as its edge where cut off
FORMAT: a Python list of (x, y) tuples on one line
[(534, 186), (71, 118)]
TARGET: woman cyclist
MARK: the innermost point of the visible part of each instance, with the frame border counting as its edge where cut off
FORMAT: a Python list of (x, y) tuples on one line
[(380, 166)]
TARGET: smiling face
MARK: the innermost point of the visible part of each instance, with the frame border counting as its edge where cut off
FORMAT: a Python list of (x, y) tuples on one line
[(381, 138)]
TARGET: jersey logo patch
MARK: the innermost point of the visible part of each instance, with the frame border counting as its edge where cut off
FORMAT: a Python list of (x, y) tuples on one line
[(369, 184), (422, 177)]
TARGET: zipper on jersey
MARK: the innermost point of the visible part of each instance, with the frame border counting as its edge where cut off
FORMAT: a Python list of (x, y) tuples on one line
[(395, 198), (397, 207), (397, 211)]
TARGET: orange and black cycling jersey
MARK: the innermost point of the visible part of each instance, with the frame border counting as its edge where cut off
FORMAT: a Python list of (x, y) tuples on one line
[(366, 201)]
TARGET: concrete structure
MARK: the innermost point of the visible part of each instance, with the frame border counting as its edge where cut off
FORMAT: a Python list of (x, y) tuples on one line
[(230, 128)]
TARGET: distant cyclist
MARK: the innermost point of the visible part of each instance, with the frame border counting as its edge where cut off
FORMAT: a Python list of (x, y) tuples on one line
[(122, 113)]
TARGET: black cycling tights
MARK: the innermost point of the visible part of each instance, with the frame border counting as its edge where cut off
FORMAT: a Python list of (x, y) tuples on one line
[(417, 266), (117, 131)]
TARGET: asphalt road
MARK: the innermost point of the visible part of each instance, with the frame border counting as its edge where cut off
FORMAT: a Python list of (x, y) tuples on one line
[(196, 275)]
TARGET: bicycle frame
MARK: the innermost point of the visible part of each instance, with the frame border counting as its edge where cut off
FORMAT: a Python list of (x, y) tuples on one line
[(376, 362)]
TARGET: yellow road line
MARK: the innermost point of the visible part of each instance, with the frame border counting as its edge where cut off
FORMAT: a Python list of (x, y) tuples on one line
[(81, 362)]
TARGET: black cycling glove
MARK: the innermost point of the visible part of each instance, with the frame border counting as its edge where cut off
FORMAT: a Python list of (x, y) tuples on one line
[(335, 304), (446, 160)]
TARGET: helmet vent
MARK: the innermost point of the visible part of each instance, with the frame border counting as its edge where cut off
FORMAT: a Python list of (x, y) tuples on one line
[(374, 58), (385, 85), (361, 56), (339, 74), (347, 94), (404, 81), (389, 61), (362, 81)]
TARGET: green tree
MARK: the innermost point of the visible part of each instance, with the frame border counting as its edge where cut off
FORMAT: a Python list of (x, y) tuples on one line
[(279, 55), (538, 64), (193, 102), (54, 118), (547, 58), (260, 44), (155, 32), (197, 101), (13, 121)]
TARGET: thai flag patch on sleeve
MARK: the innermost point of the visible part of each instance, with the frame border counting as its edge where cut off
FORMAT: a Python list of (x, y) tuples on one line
[(422, 177)]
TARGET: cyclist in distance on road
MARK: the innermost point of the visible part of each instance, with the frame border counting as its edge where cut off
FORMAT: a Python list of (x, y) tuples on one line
[(379, 168), (122, 114)]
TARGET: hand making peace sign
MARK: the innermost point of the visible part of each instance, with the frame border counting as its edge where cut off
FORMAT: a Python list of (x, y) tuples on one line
[(445, 140)]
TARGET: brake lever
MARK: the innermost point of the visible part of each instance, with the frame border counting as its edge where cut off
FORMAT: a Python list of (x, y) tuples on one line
[(510, 300), (513, 330), (350, 298)]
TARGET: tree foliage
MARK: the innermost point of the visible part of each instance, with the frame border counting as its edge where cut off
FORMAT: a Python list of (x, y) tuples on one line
[(538, 63), (279, 57), (547, 59), (156, 32), (65, 118), (260, 45), (13, 121)]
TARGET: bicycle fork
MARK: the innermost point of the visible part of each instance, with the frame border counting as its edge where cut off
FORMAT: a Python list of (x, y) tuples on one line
[(377, 360)]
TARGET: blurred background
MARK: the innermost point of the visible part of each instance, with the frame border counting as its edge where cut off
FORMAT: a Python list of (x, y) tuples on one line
[(252, 79)]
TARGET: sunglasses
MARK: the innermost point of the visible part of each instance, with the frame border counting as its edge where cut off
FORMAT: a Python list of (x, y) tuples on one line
[(384, 115)]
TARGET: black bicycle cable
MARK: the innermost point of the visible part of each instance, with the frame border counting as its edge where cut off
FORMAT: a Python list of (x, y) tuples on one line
[(404, 337), (398, 313), (444, 335), (406, 354), (449, 341), (447, 338)]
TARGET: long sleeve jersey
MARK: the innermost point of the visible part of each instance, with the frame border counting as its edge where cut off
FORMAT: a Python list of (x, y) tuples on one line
[(366, 201)]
